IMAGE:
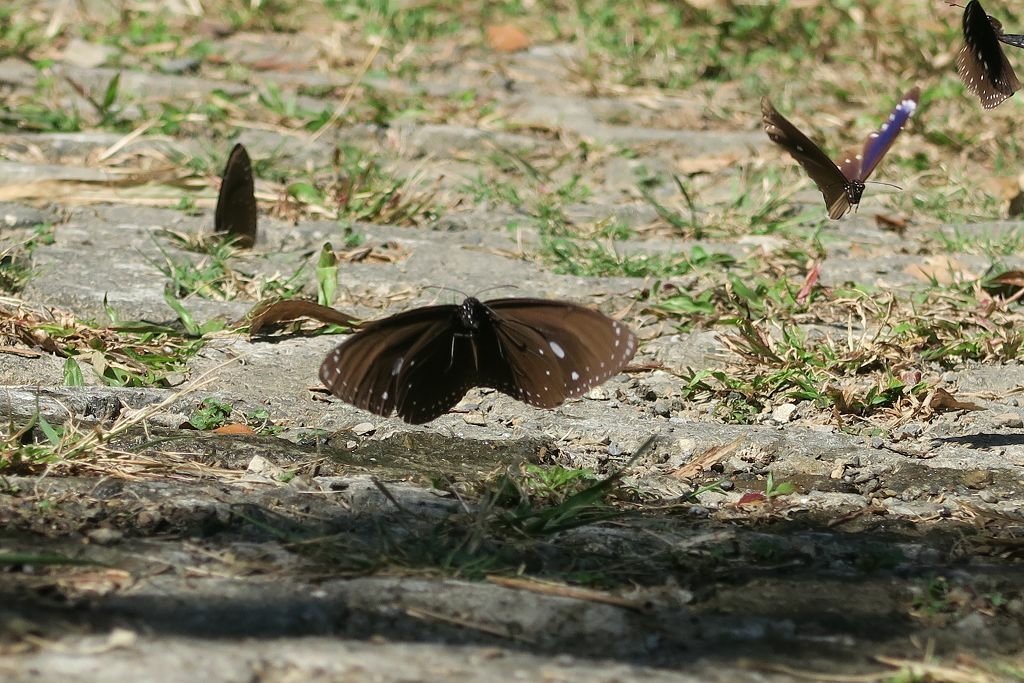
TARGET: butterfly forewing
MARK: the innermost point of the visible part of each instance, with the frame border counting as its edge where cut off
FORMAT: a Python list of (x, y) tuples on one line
[(822, 170), (981, 62), (236, 203), (878, 143), (556, 350)]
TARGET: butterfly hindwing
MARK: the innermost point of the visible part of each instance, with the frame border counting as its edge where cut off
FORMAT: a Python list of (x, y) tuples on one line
[(365, 369), (438, 372)]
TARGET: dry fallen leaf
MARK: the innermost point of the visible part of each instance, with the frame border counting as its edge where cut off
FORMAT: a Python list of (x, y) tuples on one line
[(506, 38), (293, 309), (941, 400), (893, 223), (810, 282), (234, 428)]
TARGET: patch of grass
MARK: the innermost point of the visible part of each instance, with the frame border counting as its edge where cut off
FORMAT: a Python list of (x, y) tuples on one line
[(358, 188), (400, 24), (210, 414), (16, 259), (573, 257), (123, 353), (30, 445), (968, 240), (18, 38), (214, 277)]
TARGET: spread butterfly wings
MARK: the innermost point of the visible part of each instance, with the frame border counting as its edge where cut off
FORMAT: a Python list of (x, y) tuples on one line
[(554, 350), (981, 62), (236, 203), (823, 171), (841, 185), (421, 363)]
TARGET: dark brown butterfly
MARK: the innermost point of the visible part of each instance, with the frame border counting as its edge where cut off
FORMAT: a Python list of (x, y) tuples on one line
[(841, 185), (236, 204), (981, 63), (421, 363)]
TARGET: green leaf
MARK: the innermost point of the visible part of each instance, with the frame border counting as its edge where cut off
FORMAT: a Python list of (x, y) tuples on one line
[(110, 96), (211, 414), (73, 373), (305, 193), (183, 315), (48, 431), (326, 275)]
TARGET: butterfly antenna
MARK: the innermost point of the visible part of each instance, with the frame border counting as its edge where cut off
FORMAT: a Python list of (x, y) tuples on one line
[(441, 288), (491, 289), (879, 182)]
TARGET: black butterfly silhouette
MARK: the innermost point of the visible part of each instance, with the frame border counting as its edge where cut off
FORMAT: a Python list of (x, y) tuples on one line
[(841, 185), (981, 62), (236, 204), (421, 363)]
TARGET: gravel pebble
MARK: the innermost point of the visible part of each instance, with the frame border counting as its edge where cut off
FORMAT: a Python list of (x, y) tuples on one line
[(363, 428), (1008, 421)]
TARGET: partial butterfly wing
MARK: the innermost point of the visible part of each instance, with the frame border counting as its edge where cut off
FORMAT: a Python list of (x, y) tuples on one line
[(826, 175), (236, 203), (439, 370), (981, 62), (878, 143), (1015, 39), (553, 350), (371, 368)]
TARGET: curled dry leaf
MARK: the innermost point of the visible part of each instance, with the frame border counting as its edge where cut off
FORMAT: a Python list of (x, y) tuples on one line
[(941, 400), (293, 309), (810, 282), (892, 223)]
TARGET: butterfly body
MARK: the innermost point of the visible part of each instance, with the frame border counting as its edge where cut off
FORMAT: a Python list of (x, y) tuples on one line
[(981, 62), (421, 363), (841, 185), (235, 215)]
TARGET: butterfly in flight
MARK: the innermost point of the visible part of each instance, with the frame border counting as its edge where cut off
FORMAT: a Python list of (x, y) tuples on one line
[(236, 204), (421, 363), (841, 184), (981, 62)]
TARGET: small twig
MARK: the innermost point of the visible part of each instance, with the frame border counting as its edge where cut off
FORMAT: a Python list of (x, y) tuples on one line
[(350, 93), (455, 621), (565, 591)]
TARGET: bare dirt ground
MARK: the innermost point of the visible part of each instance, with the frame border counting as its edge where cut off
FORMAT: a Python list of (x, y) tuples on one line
[(772, 532)]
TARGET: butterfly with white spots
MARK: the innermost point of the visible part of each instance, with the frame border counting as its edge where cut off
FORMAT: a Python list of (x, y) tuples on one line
[(981, 62), (841, 185), (420, 363)]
